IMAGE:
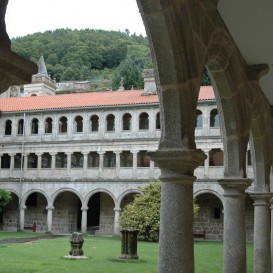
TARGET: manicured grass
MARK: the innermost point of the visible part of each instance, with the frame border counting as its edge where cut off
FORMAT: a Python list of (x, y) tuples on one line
[(20, 234), (46, 256)]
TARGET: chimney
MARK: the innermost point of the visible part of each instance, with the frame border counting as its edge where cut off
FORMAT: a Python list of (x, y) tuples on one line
[(149, 82)]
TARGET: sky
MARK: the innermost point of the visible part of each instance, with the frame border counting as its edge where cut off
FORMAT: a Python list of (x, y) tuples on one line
[(29, 16)]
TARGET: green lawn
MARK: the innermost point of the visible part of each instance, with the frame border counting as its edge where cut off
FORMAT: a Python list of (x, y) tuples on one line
[(46, 256), (20, 234)]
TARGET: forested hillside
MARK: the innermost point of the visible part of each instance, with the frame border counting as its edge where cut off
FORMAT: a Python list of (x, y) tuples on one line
[(89, 54), (97, 55)]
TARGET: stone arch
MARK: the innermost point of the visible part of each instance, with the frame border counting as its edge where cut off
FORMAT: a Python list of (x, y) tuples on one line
[(210, 215), (217, 194), (56, 193), (100, 214), (66, 214), (28, 193), (86, 199), (121, 197), (260, 144), (9, 214), (35, 213)]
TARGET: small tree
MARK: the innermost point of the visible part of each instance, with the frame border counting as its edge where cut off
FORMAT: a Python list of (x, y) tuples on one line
[(143, 213), (5, 197)]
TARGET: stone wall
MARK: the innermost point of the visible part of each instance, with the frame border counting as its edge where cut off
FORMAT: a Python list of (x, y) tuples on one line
[(107, 215), (10, 214), (210, 216)]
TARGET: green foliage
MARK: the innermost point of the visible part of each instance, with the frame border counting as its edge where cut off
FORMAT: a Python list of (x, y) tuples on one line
[(144, 213), (5, 197), (205, 78), (74, 54)]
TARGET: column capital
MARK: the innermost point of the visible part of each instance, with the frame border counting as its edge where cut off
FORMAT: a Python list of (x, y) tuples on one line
[(234, 186), (68, 153), (117, 209), (178, 165), (84, 208), (52, 153), (261, 198), (49, 207)]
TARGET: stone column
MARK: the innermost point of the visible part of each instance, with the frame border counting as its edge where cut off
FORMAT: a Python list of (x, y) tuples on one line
[(84, 220), (11, 163), (116, 224), (25, 158), (176, 214), (39, 164), (152, 168), (206, 164), (117, 163), (68, 169), (22, 217), (101, 164), (262, 251), (134, 163), (234, 224), (85, 164), (49, 218), (53, 162)]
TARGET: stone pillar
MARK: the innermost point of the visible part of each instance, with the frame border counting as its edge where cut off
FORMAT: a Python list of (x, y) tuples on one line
[(234, 224), (206, 164), (11, 164), (176, 214), (25, 158), (22, 217), (152, 168), (262, 251), (84, 220), (116, 223), (134, 163), (68, 169), (85, 164), (101, 163), (39, 164), (53, 162), (117, 163), (49, 218)]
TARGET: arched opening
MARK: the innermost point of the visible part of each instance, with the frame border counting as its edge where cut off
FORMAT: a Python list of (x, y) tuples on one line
[(18, 161), (110, 123), (67, 215), (94, 120), (63, 125), (20, 129), (109, 160), (34, 126), (5, 161), (214, 118), (143, 121), (48, 126), (93, 160), (100, 215), (9, 214), (199, 119), (143, 160), (46, 161), (216, 157), (8, 127), (127, 199), (61, 160), (77, 160), (210, 216), (78, 124), (36, 212), (126, 122), (32, 161), (126, 159)]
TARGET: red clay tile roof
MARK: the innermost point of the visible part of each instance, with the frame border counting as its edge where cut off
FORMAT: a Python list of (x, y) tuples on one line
[(86, 100)]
